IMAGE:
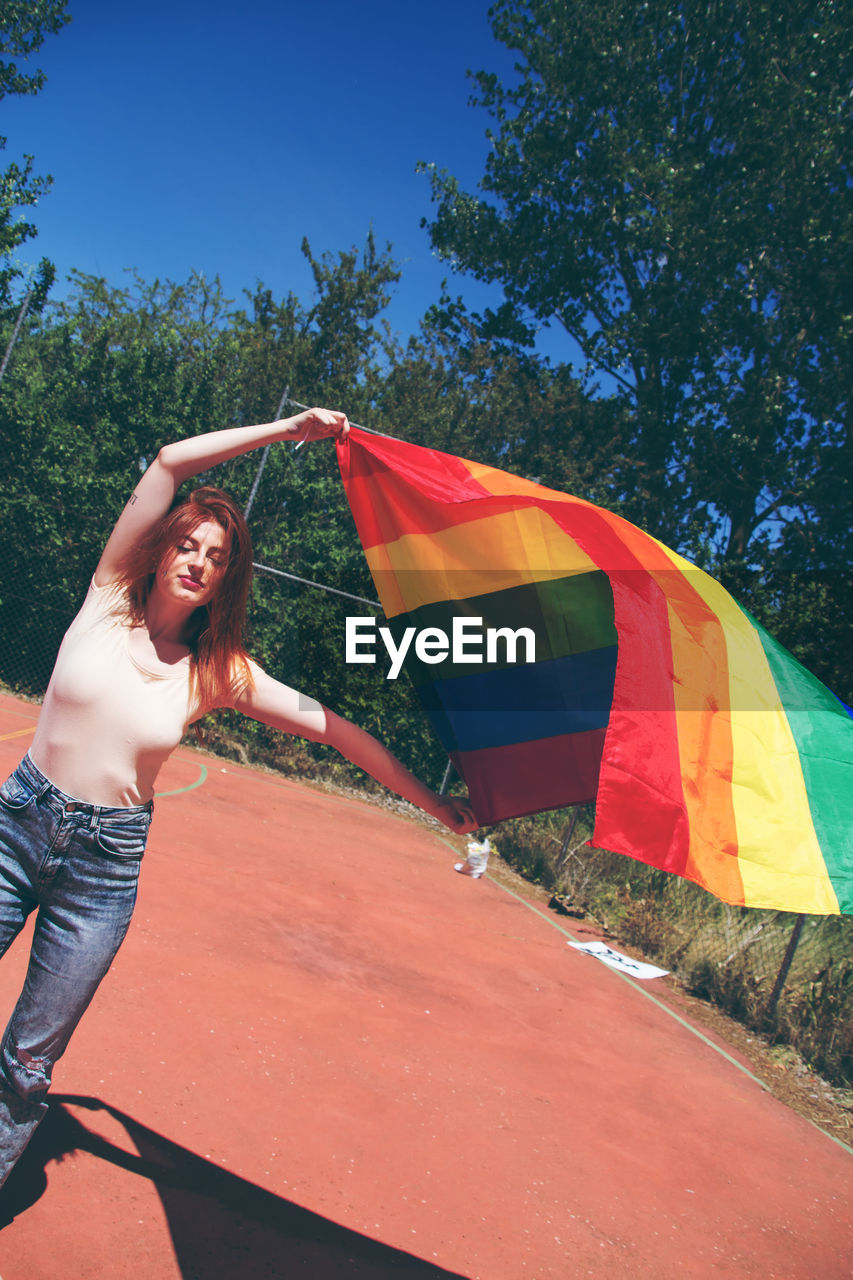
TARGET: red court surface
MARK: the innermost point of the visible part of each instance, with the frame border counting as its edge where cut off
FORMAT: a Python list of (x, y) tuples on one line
[(321, 1053)]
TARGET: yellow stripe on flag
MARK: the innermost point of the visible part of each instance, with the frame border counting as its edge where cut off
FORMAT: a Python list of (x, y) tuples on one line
[(473, 558), (777, 843)]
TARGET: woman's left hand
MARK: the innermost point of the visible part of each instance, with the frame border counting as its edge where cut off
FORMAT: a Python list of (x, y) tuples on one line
[(456, 812)]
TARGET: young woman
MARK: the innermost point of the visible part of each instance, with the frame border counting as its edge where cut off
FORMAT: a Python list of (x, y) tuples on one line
[(157, 644)]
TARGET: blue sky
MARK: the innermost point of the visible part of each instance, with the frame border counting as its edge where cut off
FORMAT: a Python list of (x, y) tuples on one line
[(212, 136)]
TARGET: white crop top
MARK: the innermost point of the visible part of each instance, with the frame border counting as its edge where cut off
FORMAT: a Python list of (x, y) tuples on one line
[(110, 721)]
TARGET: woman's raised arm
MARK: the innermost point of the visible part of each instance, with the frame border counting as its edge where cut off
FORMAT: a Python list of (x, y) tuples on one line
[(176, 462)]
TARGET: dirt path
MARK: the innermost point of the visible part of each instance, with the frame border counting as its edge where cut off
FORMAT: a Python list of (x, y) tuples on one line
[(322, 1053)]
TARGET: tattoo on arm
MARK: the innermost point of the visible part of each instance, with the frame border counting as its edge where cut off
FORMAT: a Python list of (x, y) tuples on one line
[(131, 500)]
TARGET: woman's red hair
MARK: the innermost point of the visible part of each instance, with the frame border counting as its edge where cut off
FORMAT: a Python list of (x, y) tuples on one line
[(218, 660)]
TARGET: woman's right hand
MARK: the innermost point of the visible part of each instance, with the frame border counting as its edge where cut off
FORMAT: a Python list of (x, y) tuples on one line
[(317, 424)]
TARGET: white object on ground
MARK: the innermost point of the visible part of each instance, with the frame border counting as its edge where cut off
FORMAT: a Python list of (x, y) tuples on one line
[(477, 861), (615, 960)]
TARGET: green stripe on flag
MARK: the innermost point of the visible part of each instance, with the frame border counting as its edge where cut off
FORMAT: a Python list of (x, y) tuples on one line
[(823, 734)]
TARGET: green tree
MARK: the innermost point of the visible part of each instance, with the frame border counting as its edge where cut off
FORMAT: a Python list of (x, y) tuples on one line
[(24, 24), (455, 388), (669, 181)]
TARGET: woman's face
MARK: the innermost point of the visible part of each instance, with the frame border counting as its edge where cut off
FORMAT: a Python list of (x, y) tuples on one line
[(191, 573)]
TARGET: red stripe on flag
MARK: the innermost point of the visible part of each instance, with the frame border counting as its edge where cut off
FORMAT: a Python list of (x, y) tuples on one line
[(389, 498), (641, 806), (526, 777)]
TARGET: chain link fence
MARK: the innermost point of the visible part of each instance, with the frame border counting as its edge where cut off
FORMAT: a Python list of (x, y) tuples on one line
[(787, 976)]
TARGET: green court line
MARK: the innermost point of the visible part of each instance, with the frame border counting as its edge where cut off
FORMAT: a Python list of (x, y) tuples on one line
[(202, 778), (660, 1003)]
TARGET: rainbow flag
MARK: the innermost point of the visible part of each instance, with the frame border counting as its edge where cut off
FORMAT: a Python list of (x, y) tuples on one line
[(709, 750)]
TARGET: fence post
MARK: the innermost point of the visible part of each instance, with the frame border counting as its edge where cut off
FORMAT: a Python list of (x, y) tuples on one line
[(784, 967), (16, 331), (263, 462), (570, 831)]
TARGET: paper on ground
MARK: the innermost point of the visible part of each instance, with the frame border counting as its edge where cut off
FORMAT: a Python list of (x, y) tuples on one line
[(615, 960)]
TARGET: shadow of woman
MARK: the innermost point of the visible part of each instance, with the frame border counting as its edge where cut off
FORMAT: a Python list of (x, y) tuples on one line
[(221, 1225)]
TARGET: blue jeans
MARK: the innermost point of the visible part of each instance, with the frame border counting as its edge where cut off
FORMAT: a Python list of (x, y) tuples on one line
[(78, 865)]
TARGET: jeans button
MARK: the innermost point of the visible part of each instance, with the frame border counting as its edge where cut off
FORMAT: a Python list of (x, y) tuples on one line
[(71, 808)]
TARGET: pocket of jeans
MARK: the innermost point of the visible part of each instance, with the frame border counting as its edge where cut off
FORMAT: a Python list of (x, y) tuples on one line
[(119, 838), (16, 794)]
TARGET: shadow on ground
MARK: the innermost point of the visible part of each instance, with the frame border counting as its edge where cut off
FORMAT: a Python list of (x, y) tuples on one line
[(221, 1225)]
